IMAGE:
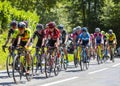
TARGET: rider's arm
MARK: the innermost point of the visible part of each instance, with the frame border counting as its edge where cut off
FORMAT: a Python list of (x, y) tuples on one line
[(33, 37), (19, 40), (8, 37), (29, 40), (66, 38), (74, 40)]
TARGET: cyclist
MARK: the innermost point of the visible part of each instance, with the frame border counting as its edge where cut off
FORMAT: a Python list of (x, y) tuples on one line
[(76, 34), (92, 45), (111, 39), (98, 39), (104, 37), (11, 31), (40, 35), (64, 39), (53, 36), (24, 39), (84, 39)]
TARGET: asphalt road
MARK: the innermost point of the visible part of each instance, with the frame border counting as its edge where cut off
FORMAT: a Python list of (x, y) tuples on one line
[(107, 74)]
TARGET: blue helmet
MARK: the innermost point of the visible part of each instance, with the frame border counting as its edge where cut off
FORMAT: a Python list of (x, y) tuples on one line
[(84, 29)]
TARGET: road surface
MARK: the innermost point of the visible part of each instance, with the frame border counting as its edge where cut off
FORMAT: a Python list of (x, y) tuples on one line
[(106, 74)]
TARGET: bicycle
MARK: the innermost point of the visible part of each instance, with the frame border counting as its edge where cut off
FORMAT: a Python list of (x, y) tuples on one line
[(111, 52), (51, 62), (9, 60), (84, 63), (20, 66), (105, 55), (99, 54), (76, 60), (38, 59), (63, 62)]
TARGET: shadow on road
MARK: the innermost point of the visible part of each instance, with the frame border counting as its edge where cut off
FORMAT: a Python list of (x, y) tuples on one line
[(7, 84), (3, 75)]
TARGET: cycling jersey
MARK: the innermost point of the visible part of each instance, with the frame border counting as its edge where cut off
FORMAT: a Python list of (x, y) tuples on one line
[(98, 38), (25, 37), (111, 37), (53, 35), (85, 38), (11, 34), (40, 37), (76, 35), (63, 36)]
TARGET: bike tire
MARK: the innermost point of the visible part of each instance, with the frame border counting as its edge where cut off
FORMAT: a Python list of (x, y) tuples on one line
[(30, 75), (9, 64), (17, 72), (48, 68)]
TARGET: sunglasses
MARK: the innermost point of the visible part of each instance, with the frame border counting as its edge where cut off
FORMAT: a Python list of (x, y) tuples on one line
[(20, 28)]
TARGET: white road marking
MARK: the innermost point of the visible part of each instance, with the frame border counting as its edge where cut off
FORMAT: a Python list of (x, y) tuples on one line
[(116, 65), (56, 82), (98, 71)]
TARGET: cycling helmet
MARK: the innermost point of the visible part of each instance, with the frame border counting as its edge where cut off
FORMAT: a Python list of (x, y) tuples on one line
[(110, 31), (97, 30), (74, 30), (51, 24), (60, 27), (84, 29), (78, 28), (26, 22), (21, 25), (39, 26), (13, 23), (103, 32)]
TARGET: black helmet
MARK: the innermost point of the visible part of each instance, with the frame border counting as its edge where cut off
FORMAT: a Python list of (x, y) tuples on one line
[(21, 25), (13, 23), (60, 27), (39, 26)]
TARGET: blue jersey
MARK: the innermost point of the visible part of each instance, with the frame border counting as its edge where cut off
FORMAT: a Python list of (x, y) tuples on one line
[(84, 37)]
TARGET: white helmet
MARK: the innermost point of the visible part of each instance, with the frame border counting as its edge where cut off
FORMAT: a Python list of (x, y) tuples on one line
[(97, 30), (74, 29)]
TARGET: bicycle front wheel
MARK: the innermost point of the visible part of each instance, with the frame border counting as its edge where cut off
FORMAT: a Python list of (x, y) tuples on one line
[(9, 64), (30, 75), (17, 69)]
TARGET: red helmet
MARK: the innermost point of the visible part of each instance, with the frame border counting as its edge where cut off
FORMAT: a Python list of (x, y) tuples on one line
[(51, 24)]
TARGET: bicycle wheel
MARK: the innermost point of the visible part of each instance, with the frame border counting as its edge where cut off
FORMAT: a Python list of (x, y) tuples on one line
[(75, 59), (65, 64), (48, 67), (9, 64), (86, 63), (81, 63), (112, 54), (37, 64), (17, 69), (30, 75), (57, 64)]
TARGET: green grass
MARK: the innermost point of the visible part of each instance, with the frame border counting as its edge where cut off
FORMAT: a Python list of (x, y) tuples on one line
[(2, 54)]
